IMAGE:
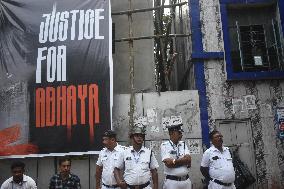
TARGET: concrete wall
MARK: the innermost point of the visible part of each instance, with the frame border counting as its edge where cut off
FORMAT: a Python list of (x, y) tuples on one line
[(155, 108), (143, 49), (183, 67), (227, 100), (14, 110)]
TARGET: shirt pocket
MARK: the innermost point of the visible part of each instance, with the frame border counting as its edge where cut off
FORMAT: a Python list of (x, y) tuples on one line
[(145, 165), (128, 164), (216, 163), (104, 160), (115, 158), (114, 161), (181, 153), (173, 154), (229, 161)]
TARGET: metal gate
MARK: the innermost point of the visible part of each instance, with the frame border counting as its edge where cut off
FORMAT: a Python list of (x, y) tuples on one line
[(237, 134)]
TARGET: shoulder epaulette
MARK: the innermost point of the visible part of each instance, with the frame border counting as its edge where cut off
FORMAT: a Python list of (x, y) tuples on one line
[(165, 143)]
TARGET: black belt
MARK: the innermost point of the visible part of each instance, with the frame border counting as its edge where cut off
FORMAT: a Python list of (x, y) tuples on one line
[(110, 186), (221, 183), (141, 186), (171, 177)]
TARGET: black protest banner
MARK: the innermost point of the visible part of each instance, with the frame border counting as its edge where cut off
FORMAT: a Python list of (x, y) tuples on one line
[(55, 75)]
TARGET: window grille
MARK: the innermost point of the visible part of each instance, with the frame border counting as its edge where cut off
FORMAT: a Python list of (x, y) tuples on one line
[(256, 42)]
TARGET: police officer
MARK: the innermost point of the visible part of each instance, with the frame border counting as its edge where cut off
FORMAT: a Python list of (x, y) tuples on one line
[(139, 163), (176, 158), (105, 164), (216, 165)]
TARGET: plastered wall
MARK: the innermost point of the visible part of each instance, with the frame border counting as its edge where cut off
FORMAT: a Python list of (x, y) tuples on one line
[(240, 100), (143, 54), (155, 108)]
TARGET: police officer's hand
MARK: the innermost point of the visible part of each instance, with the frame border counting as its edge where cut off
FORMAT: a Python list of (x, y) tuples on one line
[(122, 184), (188, 160), (169, 163)]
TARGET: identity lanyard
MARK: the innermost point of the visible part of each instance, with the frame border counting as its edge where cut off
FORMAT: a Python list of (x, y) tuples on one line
[(174, 148), (136, 155)]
